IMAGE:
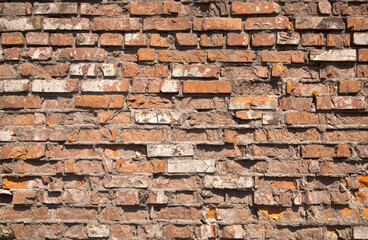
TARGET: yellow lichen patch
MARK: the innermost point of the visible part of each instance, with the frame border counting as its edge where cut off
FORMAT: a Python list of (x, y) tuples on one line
[(14, 183), (346, 212), (363, 180), (284, 183), (20, 153), (272, 213)]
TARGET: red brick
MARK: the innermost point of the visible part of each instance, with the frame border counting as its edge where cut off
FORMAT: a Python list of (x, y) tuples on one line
[(97, 101), (214, 40), (153, 8), (321, 151), (349, 86), (181, 56), (157, 41), (143, 135), (237, 39), (167, 24), (83, 166), (11, 53), (22, 119), (146, 54), (173, 231), (101, 9), (227, 55), (157, 70), (263, 39), (135, 39), (86, 39), (283, 56), (206, 87), (127, 198), (308, 89), (200, 71), (253, 102), (15, 38), (363, 55), (338, 40), (187, 39), (40, 53), (11, 102), (86, 135), (129, 166), (37, 38), (362, 71), (124, 231), (245, 8), (36, 70), (210, 24), (7, 71), (60, 39), (80, 54), (111, 39), (245, 72), (319, 23), (115, 24), (306, 118), (340, 102), (313, 39), (357, 23), (149, 102), (267, 23)]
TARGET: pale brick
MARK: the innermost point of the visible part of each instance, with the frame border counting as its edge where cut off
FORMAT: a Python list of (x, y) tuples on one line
[(170, 150)]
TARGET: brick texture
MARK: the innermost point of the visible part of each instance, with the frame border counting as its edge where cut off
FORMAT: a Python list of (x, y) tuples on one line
[(186, 119)]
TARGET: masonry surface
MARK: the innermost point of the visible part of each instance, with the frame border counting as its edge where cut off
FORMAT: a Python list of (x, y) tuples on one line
[(184, 119)]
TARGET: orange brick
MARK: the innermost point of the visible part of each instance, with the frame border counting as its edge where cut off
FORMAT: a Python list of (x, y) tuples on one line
[(153, 8), (313, 39), (111, 39), (157, 41), (266, 23), (146, 54), (59, 39), (237, 39), (15, 38), (228, 55), (206, 87), (214, 40), (243, 8), (143, 135), (186, 39), (167, 24), (210, 24), (129, 166), (347, 86), (363, 55), (263, 39), (135, 39), (97, 101)]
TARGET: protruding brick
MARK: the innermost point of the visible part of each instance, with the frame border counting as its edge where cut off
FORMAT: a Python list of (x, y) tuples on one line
[(97, 101), (135, 39), (263, 39), (104, 85), (340, 102), (228, 182), (170, 150), (20, 24), (37, 38), (214, 40), (228, 55), (313, 39), (363, 55), (349, 86), (357, 23), (59, 39), (200, 71), (181, 56), (60, 86), (333, 55), (86, 39), (254, 102), (74, 24), (80, 54), (338, 40), (40, 53), (156, 40), (286, 38), (55, 8), (146, 54)]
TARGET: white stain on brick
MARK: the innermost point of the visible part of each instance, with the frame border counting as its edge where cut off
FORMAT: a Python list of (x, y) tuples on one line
[(108, 69), (228, 182), (98, 231), (333, 55), (157, 117), (6, 135), (169, 86), (190, 166), (14, 85), (168, 150), (80, 69)]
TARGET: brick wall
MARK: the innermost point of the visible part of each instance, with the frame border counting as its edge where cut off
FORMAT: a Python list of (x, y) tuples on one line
[(184, 119)]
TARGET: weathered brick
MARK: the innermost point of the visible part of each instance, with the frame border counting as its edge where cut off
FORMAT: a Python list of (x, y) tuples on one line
[(319, 23), (283, 56), (11, 53), (246, 71), (305, 89), (156, 40), (104, 85), (255, 102), (37, 38), (55, 86), (338, 40), (333, 55), (341, 102), (157, 117), (102, 9), (167, 24), (313, 39), (115, 24), (173, 231), (237, 39), (228, 182), (321, 151), (357, 23), (263, 39), (20, 24), (228, 55), (80, 54), (86, 39), (189, 56), (74, 24), (254, 8), (140, 102), (287, 38), (214, 40), (81, 69), (135, 39), (349, 86), (146, 54), (210, 24), (55, 8), (59, 39), (266, 23), (97, 101), (129, 166), (40, 53), (186, 39), (143, 135), (363, 55), (85, 135), (170, 150), (153, 8), (206, 87), (15, 38)]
